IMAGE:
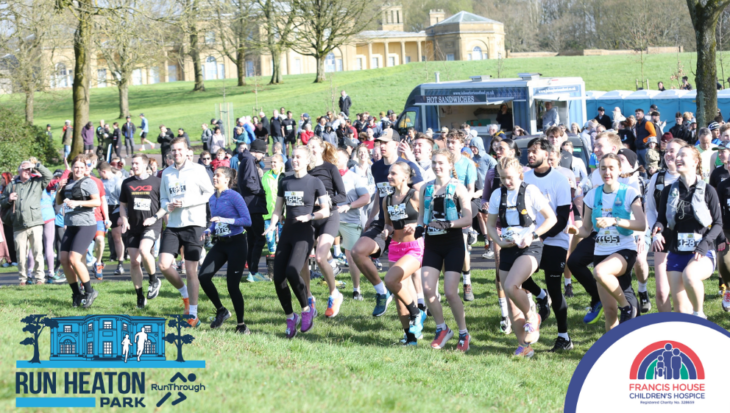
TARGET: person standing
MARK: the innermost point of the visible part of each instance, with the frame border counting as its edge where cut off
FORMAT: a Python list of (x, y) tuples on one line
[(164, 139), (184, 193), (22, 199), (49, 133), (87, 134), (275, 130), (68, 137), (644, 130), (116, 139), (345, 103), (128, 130), (604, 119), (145, 126), (205, 137), (289, 129), (550, 117), (249, 185)]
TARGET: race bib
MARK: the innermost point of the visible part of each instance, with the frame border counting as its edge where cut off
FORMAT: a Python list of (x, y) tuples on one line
[(222, 230), (288, 128), (397, 212), (384, 189), (141, 204), (435, 231), (508, 234), (176, 189), (688, 242), (608, 237), (294, 198)]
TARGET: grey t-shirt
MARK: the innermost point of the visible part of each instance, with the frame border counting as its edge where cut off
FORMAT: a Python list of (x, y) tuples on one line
[(80, 216), (112, 187), (355, 186)]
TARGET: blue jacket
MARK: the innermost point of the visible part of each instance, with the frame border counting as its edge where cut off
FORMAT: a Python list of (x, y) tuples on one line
[(249, 130), (231, 208)]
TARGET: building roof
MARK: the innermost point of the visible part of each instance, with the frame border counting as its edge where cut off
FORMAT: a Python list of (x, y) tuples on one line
[(390, 33), (464, 17)]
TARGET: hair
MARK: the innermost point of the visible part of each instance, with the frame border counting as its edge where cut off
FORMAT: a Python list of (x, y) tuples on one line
[(512, 145), (357, 149), (449, 156), (115, 124), (614, 157), (613, 138), (179, 139), (554, 130), (420, 135), (567, 143), (542, 143), (278, 156), (304, 148), (702, 132), (220, 150), (509, 162), (655, 113), (277, 145), (329, 152), (681, 142), (205, 153), (724, 127), (103, 166), (94, 159), (696, 155), (151, 161), (407, 170), (80, 158), (228, 173), (639, 110)]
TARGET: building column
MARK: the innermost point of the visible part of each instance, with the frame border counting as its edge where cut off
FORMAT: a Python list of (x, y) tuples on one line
[(385, 58), (369, 63), (402, 52), (418, 43)]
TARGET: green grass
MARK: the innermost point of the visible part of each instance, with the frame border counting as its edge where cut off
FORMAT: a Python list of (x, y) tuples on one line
[(349, 363)]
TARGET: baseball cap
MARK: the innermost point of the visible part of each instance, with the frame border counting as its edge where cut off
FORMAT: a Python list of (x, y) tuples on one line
[(713, 126), (48, 125), (600, 108), (258, 146), (722, 146), (389, 135)]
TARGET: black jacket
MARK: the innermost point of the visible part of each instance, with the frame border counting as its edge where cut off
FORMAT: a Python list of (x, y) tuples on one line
[(187, 138), (266, 123), (249, 184), (505, 121), (165, 141), (605, 121), (682, 132), (128, 132), (345, 104)]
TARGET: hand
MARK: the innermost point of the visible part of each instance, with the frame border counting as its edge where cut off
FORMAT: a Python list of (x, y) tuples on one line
[(171, 207), (409, 229), (13, 196), (343, 208), (526, 241), (108, 224), (215, 219), (505, 244), (269, 229), (406, 151), (33, 160), (658, 242), (149, 221), (698, 256), (572, 230), (70, 203), (605, 222), (303, 218)]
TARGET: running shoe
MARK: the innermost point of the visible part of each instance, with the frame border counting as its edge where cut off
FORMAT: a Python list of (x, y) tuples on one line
[(471, 237), (505, 326), (99, 271), (342, 261), (543, 305), (468, 294), (594, 313), (356, 296), (186, 305), (464, 340), (89, 298), (726, 301), (23, 282), (76, 299), (141, 303), (308, 320), (405, 337), (333, 305), (532, 329), (55, 278), (416, 325), (194, 322), (645, 303), (313, 305), (424, 316), (378, 265), (489, 255), (291, 326), (119, 270), (569, 291), (220, 316), (154, 289), (244, 330), (442, 336), (626, 313), (562, 344), (412, 343), (525, 351), (335, 268), (257, 277), (381, 303)]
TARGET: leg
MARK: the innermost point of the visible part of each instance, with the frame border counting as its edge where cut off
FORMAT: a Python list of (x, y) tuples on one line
[(361, 252), (236, 264), (118, 243), (216, 258), (430, 278), (49, 231), (451, 290), (399, 283), (693, 276), (170, 273), (354, 271), (578, 263), (135, 264), (610, 307), (21, 248), (255, 242), (324, 243), (680, 300), (662, 283), (522, 269), (606, 273), (560, 306), (36, 248), (270, 238)]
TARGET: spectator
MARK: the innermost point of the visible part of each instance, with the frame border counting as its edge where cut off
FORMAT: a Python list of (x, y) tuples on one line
[(275, 129), (574, 129), (165, 139), (504, 118), (660, 86), (685, 84), (217, 141), (206, 159), (128, 130), (249, 185), (644, 130), (658, 124), (49, 133), (264, 121), (217, 124), (681, 129), (618, 117), (550, 117), (714, 127), (376, 128), (270, 183), (321, 123), (87, 133), (345, 103), (236, 157), (261, 132), (626, 132), (289, 128), (220, 160), (307, 133), (652, 156), (249, 128), (368, 138), (182, 134), (205, 137), (68, 137), (328, 135), (603, 119)]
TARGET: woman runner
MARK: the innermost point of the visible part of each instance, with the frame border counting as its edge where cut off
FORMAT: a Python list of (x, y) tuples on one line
[(299, 191), (229, 215)]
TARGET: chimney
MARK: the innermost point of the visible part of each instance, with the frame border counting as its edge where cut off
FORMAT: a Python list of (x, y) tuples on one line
[(391, 18), (436, 16)]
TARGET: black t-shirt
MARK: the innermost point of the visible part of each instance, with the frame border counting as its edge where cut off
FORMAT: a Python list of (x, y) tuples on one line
[(299, 195), (290, 128), (718, 175), (723, 192), (275, 127), (332, 180), (142, 197)]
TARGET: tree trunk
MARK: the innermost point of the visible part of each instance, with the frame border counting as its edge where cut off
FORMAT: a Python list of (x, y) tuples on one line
[(706, 71), (321, 77), (82, 40), (29, 100), (241, 67), (123, 87), (197, 66), (179, 352), (275, 66), (36, 355)]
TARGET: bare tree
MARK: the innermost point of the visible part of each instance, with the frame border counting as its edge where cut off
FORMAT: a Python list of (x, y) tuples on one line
[(188, 16), (234, 31), (325, 25), (278, 20)]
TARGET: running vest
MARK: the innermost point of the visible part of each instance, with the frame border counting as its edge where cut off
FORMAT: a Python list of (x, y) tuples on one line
[(402, 213), (659, 186), (76, 193), (525, 219), (617, 211), (699, 208), (452, 214)]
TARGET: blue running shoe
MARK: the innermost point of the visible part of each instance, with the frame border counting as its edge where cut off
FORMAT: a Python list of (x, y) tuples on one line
[(416, 327), (424, 316), (595, 313), (381, 303)]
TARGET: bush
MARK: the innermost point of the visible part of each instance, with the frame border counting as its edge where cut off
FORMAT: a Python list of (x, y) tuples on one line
[(20, 141)]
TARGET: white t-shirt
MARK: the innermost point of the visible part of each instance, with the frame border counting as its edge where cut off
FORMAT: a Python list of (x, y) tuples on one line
[(555, 187), (608, 239), (534, 203), (707, 167)]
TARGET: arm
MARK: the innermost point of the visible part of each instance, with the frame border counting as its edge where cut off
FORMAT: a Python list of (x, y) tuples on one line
[(650, 128), (244, 217), (250, 177), (104, 208), (341, 192), (636, 224), (164, 197), (45, 173), (562, 217), (548, 223), (94, 202), (650, 203), (276, 215), (465, 199), (375, 210)]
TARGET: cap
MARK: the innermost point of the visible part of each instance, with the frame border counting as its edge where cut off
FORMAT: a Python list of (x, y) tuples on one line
[(390, 112), (630, 155), (600, 108), (141, 114), (258, 146), (48, 125), (306, 115), (667, 137), (57, 173), (713, 126), (389, 135), (129, 117), (652, 139), (444, 130), (722, 146)]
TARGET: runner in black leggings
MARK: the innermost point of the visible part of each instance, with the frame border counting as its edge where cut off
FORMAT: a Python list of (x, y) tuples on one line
[(299, 191), (229, 215)]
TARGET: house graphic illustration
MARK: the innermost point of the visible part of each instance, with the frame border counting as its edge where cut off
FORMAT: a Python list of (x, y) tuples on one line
[(106, 337)]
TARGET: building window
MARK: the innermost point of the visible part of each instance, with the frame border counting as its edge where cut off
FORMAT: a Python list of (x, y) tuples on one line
[(124, 327), (62, 75), (211, 68), (450, 56), (107, 347), (68, 347), (209, 38), (149, 347), (91, 327), (66, 329), (154, 75), (408, 59), (476, 53), (136, 77), (172, 73), (147, 329), (423, 58), (101, 77), (391, 61), (107, 325), (358, 63), (90, 348), (374, 63), (329, 63)]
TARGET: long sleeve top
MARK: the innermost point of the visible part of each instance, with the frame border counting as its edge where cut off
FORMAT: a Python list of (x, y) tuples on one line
[(232, 210), (191, 184), (249, 184)]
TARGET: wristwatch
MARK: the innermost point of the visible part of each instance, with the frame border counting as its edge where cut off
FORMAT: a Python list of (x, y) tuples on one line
[(535, 237), (311, 216)]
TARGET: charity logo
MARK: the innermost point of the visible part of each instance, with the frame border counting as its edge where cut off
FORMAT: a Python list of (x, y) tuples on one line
[(667, 360)]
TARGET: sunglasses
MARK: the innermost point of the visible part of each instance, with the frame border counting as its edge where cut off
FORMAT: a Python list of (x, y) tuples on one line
[(28, 169), (206, 159)]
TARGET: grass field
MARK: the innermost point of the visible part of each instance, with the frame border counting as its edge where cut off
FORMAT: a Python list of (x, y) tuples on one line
[(351, 363)]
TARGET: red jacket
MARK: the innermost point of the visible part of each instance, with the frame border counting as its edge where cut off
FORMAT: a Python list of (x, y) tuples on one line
[(306, 136)]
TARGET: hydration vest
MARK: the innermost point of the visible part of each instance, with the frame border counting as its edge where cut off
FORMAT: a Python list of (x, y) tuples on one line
[(76, 193), (452, 214), (659, 186), (617, 211), (699, 207), (525, 219)]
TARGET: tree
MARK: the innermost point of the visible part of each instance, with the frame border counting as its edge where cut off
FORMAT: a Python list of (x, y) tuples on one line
[(35, 323), (19, 139), (234, 30), (179, 322), (324, 25), (704, 14), (278, 21), (190, 15)]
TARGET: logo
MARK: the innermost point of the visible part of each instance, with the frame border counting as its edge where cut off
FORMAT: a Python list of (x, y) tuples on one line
[(141, 188), (667, 360)]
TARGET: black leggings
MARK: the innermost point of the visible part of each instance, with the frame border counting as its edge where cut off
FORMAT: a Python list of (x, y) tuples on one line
[(9, 240), (552, 263), (233, 251), (294, 246), (57, 246), (578, 263), (256, 242)]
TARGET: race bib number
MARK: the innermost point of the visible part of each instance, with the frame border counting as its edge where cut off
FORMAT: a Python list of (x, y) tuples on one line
[(288, 128), (688, 242), (397, 212), (508, 234), (431, 231), (384, 189), (141, 204), (222, 229), (176, 189), (294, 198), (608, 237)]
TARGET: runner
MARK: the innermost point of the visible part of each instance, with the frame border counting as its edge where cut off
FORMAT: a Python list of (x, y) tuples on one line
[(722, 186), (615, 246), (95, 252), (444, 210), (299, 191), (372, 241), (229, 216), (520, 245), (79, 196), (141, 219), (688, 225), (184, 192), (113, 187), (405, 251)]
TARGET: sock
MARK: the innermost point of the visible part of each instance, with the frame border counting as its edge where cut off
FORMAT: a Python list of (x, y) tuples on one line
[(422, 307), (184, 291), (335, 293), (421, 300), (291, 317), (467, 277), (356, 289), (463, 332), (410, 337), (153, 277), (337, 249), (75, 288), (442, 326), (119, 262), (413, 310), (642, 287), (139, 292), (568, 281), (564, 335), (542, 294), (699, 314), (503, 307), (194, 310), (87, 287), (380, 288)]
